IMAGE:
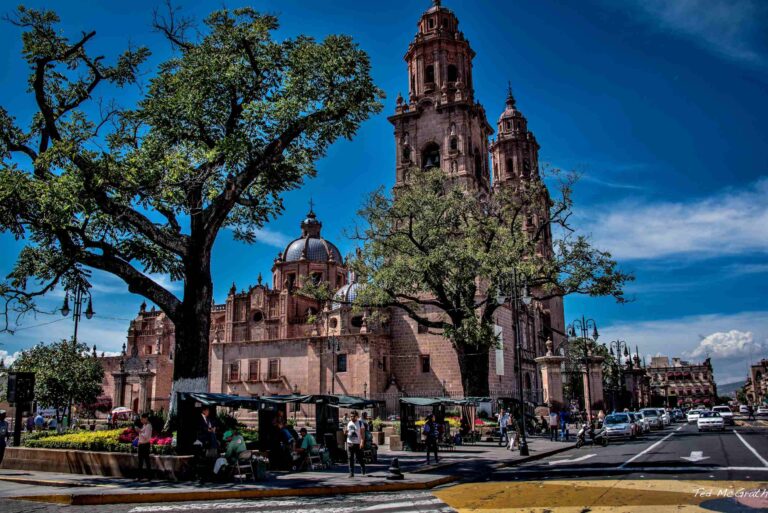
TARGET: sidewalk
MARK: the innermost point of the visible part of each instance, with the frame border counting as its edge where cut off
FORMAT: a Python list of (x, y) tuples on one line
[(464, 463)]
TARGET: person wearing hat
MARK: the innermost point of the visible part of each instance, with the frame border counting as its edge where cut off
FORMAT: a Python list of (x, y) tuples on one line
[(3, 434)]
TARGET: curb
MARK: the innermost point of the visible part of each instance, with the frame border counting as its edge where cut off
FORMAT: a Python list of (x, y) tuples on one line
[(96, 499), (46, 482)]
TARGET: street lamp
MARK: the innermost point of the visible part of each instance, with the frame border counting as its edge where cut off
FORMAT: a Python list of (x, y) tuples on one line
[(78, 300), (519, 294), (584, 325), (621, 348)]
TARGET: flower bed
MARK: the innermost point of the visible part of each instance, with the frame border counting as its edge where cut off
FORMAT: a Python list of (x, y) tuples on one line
[(104, 441)]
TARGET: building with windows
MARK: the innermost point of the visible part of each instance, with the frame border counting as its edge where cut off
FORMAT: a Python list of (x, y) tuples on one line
[(756, 386), (681, 383), (271, 339)]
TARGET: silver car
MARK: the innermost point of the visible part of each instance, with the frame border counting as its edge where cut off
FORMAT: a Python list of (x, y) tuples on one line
[(618, 425), (652, 414)]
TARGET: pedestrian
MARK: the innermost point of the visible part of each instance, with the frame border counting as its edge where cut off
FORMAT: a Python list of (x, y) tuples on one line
[(145, 437), (564, 419), (600, 417), (554, 423), (430, 437), (355, 431), (3, 434), (503, 425), (750, 412), (39, 422)]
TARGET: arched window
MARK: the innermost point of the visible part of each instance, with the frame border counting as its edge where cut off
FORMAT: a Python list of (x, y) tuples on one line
[(526, 168), (527, 381), (258, 316), (430, 156), (453, 73), (510, 168), (406, 154), (454, 143), (478, 166), (430, 74)]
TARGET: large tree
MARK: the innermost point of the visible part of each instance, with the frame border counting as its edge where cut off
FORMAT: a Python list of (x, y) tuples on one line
[(436, 247), (66, 373), (222, 128)]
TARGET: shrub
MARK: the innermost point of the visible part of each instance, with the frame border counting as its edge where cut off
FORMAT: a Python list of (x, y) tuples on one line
[(106, 441)]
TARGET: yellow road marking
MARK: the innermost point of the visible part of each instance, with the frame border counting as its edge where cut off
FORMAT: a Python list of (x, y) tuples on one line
[(609, 495)]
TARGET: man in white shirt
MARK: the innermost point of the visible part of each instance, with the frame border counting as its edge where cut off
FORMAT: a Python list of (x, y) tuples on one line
[(355, 431), (145, 437), (503, 425)]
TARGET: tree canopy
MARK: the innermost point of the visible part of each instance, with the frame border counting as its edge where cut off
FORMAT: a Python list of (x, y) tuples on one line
[(66, 373), (228, 123), (436, 247)]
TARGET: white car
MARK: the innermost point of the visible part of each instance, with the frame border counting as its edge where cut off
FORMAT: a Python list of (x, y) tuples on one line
[(762, 410), (665, 418), (726, 413), (643, 421), (653, 417), (618, 425), (693, 416), (710, 420), (744, 409)]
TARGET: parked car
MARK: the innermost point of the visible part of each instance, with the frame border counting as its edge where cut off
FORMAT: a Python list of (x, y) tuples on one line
[(726, 413), (618, 425), (637, 427), (665, 418), (762, 410), (643, 421), (652, 414), (710, 420), (678, 416), (744, 409), (693, 416)]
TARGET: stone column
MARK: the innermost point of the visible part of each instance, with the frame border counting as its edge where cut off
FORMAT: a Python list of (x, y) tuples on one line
[(551, 378), (594, 373), (118, 396), (144, 393)]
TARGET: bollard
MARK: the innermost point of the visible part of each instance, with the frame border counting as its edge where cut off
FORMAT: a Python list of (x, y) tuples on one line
[(394, 471)]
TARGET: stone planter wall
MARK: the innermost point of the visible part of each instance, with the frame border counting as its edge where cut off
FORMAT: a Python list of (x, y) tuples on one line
[(112, 464)]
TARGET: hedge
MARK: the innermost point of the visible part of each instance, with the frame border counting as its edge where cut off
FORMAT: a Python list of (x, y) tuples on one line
[(90, 441)]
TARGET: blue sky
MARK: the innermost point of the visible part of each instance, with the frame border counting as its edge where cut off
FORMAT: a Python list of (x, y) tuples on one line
[(661, 106)]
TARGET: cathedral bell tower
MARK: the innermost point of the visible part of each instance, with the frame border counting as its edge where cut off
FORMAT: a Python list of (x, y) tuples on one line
[(515, 153), (440, 125)]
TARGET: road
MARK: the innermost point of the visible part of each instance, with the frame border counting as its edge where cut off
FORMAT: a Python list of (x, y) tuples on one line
[(677, 469)]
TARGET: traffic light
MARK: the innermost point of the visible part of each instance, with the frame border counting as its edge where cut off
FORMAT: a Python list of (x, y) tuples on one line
[(21, 387)]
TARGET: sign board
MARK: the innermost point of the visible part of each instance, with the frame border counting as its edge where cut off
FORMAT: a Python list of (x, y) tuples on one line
[(21, 387)]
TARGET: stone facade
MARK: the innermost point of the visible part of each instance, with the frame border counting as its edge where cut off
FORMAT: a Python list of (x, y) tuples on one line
[(756, 387), (272, 340), (681, 383)]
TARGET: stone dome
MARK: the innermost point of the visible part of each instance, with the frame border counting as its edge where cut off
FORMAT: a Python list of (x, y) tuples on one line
[(346, 294), (311, 246)]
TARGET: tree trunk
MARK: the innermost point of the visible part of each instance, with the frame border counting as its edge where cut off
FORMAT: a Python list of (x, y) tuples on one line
[(473, 365), (191, 354)]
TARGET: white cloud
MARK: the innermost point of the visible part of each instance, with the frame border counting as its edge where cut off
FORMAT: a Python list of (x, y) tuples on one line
[(682, 337), (8, 358), (726, 27), (727, 223), (729, 344), (272, 238)]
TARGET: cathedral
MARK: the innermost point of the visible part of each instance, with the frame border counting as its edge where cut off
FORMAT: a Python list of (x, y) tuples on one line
[(269, 340)]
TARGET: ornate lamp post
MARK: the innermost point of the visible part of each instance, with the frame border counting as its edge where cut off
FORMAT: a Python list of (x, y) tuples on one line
[(584, 325), (621, 348), (519, 294), (78, 300)]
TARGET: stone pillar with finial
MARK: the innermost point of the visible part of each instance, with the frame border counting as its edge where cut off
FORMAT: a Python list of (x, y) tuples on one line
[(551, 377)]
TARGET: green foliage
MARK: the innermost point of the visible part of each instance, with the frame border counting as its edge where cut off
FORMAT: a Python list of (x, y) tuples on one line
[(437, 246), (250, 435), (65, 374), (377, 424), (233, 120)]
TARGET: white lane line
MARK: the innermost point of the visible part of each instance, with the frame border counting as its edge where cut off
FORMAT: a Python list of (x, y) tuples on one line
[(648, 449), (696, 469), (560, 462), (757, 455)]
